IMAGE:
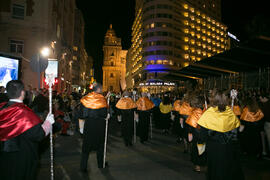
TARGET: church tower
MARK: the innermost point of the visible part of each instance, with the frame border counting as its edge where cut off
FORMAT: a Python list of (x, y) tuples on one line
[(114, 63)]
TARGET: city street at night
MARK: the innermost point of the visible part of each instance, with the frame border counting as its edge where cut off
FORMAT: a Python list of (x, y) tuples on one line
[(161, 159)]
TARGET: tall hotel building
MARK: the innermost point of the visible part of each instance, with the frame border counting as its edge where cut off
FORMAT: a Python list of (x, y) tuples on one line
[(168, 35)]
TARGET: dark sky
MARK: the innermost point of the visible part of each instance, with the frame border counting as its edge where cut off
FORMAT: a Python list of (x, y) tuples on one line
[(99, 14)]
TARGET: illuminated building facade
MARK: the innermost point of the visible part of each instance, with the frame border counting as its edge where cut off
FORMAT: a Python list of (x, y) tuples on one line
[(167, 35), (114, 64)]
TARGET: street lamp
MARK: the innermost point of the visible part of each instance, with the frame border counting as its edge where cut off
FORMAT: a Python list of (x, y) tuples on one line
[(42, 62), (45, 51)]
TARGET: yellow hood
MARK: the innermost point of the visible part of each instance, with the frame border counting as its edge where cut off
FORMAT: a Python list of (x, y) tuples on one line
[(219, 121), (165, 108)]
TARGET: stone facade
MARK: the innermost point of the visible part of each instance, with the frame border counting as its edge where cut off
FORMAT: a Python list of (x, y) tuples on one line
[(114, 64)]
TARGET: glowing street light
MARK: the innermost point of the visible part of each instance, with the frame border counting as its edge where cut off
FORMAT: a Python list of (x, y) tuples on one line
[(45, 51)]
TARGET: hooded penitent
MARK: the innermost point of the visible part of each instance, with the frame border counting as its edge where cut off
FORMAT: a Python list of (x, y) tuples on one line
[(251, 116), (218, 121), (126, 103), (94, 100), (144, 104)]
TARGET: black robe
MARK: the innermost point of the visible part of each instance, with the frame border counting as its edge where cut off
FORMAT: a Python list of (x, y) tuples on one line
[(22, 164), (143, 125), (127, 124), (94, 128), (223, 155)]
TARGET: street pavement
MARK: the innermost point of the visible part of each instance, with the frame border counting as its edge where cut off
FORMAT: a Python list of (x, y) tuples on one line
[(160, 159)]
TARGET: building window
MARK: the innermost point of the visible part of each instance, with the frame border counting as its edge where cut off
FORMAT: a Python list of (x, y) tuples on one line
[(16, 46), (17, 11), (111, 75)]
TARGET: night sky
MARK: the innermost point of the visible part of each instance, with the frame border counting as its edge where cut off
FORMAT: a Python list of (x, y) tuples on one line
[(99, 14)]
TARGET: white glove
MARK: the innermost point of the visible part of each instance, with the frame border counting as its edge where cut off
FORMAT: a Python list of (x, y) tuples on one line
[(50, 118), (241, 128), (108, 117), (172, 116)]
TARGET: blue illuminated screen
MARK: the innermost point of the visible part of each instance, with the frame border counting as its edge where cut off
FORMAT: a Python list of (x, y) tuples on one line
[(9, 69)]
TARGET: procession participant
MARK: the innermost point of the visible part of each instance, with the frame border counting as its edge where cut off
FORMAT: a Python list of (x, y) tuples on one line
[(144, 105), (185, 111), (21, 130), (251, 120), (197, 158), (94, 111), (165, 118), (156, 112), (126, 108), (177, 129), (219, 130)]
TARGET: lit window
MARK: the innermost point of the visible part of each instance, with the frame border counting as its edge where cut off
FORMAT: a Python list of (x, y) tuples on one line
[(186, 30), (192, 26), (218, 37), (209, 47), (221, 39), (208, 40), (203, 31), (208, 19), (217, 24), (203, 38), (198, 13), (186, 22), (213, 5), (198, 21), (192, 33), (208, 54), (217, 31), (192, 18), (218, 51), (74, 58), (159, 61), (208, 33), (213, 22), (203, 23), (152, 25), (198, 28), (186, 48), (192, 50), (214, 49), (185, 64), (213, 28), (204, 53), (192, 41), (186, 39), (192, 10), (204, 46), (199, 43), (186, 56), (213, 35), (214, 42), (186, 14), (199, 51), (203, 16), (222, 46), (208, 26), (185, 6), (198, 58), (171, 62), (221, 33), (198, 36), (193, 58)]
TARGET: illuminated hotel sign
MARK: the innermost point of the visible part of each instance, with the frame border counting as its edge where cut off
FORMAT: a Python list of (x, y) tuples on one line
[(157, 84)]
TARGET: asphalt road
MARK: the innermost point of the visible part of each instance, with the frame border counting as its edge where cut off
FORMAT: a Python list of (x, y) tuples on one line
[(160, 159)]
